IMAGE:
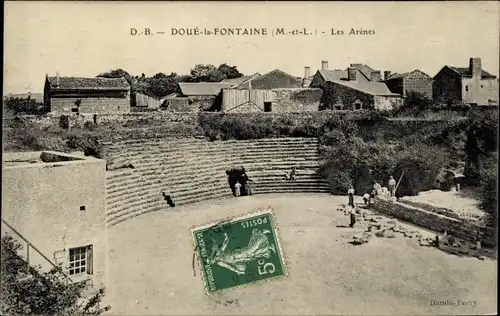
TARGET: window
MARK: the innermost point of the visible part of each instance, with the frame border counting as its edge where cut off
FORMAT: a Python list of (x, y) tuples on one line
[(358, 105), (268, 106), (80, 260), (74, 110), (82, 208), (466, 88), (482, 86)]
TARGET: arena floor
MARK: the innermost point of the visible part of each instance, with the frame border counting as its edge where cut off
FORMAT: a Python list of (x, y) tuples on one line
[(151, 273)]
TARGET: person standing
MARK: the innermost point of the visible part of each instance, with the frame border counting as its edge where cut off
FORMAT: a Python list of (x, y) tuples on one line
[(350, 193), (391, 186), (376, 188), (292, 174), (367, 199), (248, 189), (237, 188), (352, 215)]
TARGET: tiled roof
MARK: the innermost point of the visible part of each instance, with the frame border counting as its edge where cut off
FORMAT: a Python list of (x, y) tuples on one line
[(277, 71), (98, 83), (202, 88), (369, 87), (464, 72), (240, 80), (365, 70), (396, 75), (404, 74), (332, 75)]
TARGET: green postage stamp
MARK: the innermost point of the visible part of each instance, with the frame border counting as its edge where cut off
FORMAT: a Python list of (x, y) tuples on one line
[(239, 251)]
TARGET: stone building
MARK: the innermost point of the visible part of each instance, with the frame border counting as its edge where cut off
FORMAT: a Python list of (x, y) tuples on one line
[(54, 204), (324, 75), (86, 95), (275, 91), (356, 91), (462, 85), (414, 81), (196, 96), (271, 100), (275, 79)]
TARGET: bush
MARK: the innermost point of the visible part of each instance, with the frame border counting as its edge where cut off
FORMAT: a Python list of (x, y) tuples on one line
[(353, 161), (24, 106), (28, 291), (488, 188), (86, 142)]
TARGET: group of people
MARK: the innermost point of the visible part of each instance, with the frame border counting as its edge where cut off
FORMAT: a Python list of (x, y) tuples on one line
[(291, 175), (367, 197), (239, 182)]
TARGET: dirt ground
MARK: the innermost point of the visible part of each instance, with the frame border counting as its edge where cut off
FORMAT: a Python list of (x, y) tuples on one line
[(462, 203), (151, 273)]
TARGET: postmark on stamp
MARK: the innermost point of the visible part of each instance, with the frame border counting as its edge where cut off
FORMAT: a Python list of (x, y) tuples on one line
[(239, 251)]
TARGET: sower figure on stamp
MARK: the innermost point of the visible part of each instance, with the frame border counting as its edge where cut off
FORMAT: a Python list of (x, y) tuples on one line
[(236, 260), (350, 192)]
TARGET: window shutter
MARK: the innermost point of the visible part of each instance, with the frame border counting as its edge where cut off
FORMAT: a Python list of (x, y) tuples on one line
[(90, 259)]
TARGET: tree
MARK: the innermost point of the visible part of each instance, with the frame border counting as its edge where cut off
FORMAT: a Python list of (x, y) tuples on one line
[(118, 73), (161, 85), (206, 73), (414, 103), (28, 291), (229, 72), (23, 106), (488, 189)]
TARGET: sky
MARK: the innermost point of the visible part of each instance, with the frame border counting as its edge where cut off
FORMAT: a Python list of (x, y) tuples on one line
[(84, 39)]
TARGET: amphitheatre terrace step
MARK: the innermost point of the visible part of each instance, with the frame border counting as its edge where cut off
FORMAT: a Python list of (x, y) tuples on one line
[(131, 206), (144, 209), (249, 150), (234, 153), (184, 200), (187, 157), (290, 190), (189, 141), (242, 147)]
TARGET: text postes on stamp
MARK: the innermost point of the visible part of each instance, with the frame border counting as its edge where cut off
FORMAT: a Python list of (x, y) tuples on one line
[(239, 251)]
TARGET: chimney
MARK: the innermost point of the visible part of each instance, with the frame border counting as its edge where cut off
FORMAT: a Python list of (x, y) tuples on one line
[(307, 72), (387, 74), (375, 76), (475, 67), (57, 79), (324, 65), (351, 73)]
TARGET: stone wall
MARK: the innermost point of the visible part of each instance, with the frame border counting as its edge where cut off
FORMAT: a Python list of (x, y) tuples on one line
[(447, 87), (296, 100), (90, 104), (58, 206), (386, 128), (460, 228), (421, 85), (340, 97), (191, 104)]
